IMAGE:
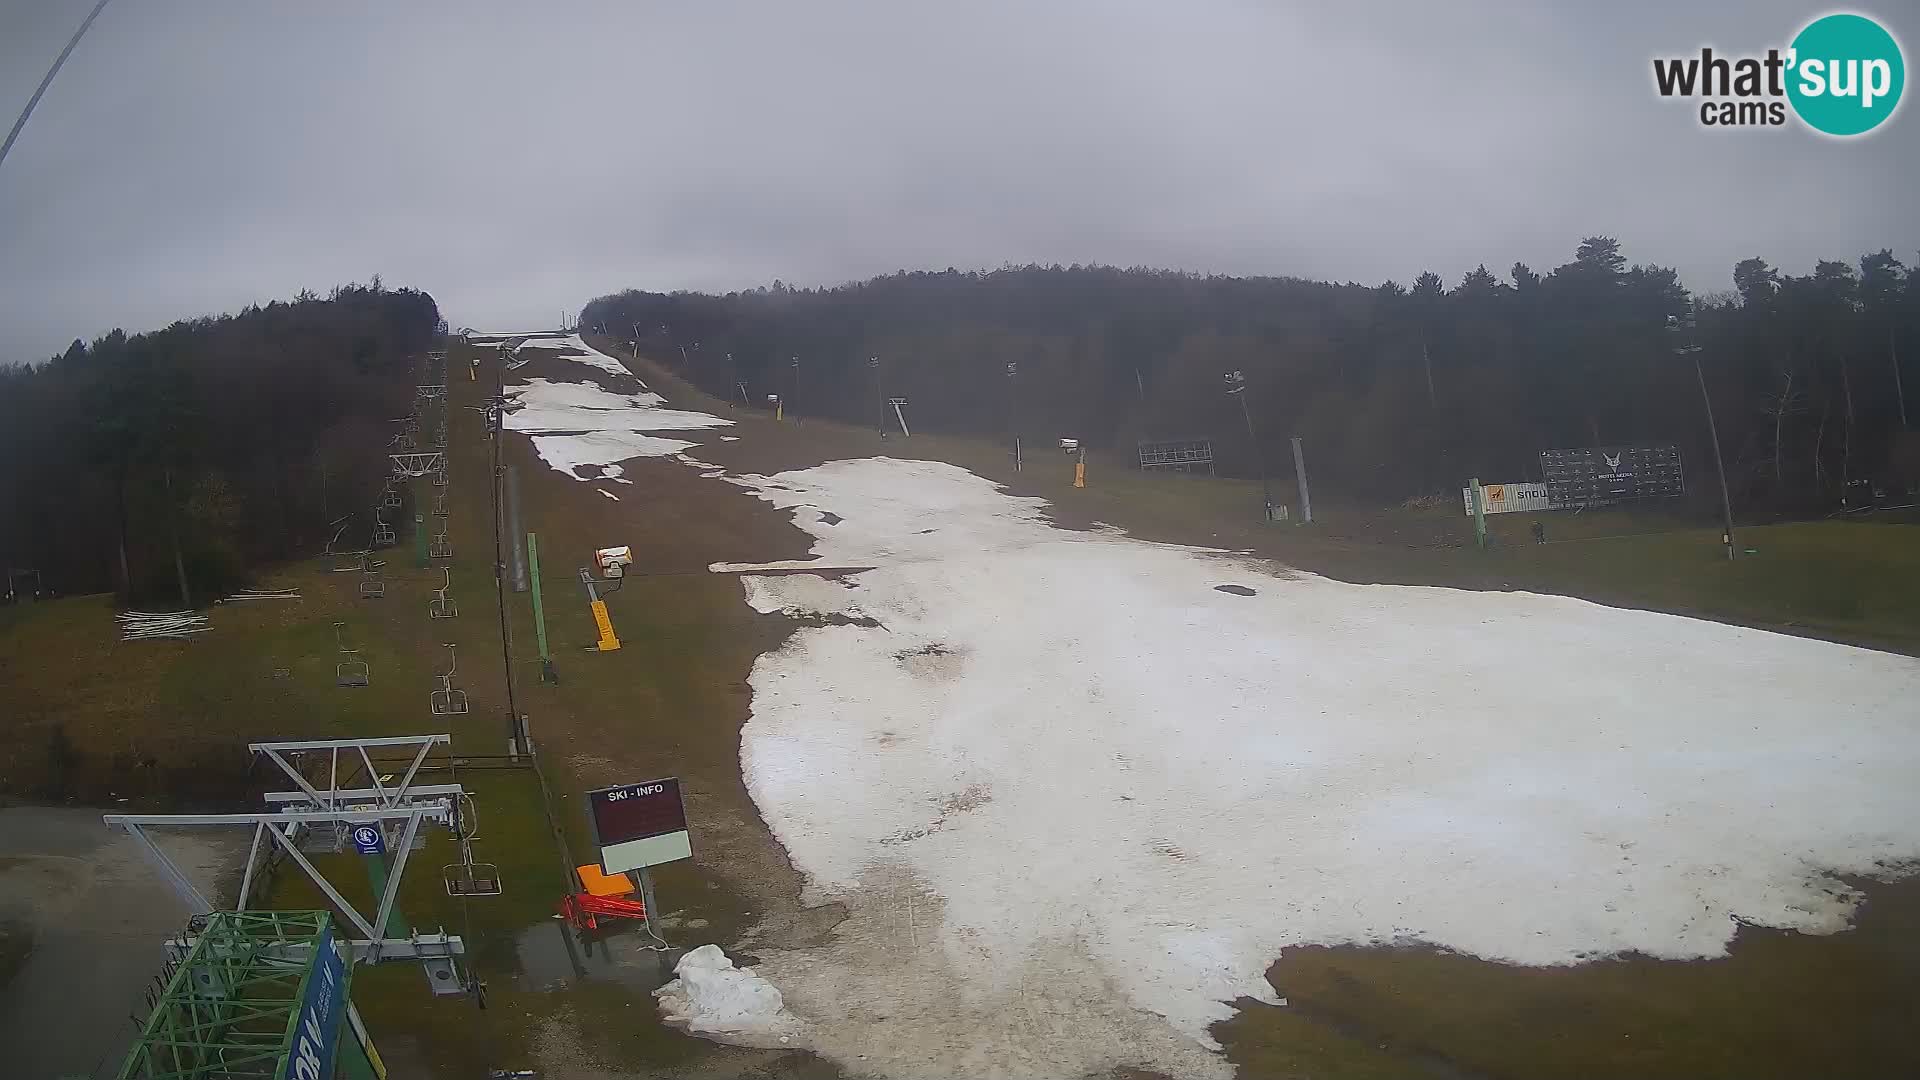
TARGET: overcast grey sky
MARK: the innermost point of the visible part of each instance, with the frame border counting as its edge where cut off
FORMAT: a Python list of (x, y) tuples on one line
[(518, 158)]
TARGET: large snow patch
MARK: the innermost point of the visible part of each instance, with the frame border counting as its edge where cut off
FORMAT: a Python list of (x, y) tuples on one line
[(1076, 799), (579, 424)]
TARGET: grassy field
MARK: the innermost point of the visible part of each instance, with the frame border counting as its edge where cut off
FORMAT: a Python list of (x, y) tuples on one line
[(165, 723)]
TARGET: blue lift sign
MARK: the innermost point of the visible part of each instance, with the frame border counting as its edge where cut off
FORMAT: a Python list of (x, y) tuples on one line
[(317, 1026), (368, 841)]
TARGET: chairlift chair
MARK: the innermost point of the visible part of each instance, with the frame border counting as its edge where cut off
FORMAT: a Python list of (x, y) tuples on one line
[(448, 701), (351, 670), (340, 526), (443, 606), (440, 504), (372, 588), (466, 877), (440, 477), (382, 531), (469, 878), (390, 498), (440, 547)]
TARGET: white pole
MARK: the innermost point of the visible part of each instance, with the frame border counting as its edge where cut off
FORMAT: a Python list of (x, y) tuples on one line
[(903, 420)]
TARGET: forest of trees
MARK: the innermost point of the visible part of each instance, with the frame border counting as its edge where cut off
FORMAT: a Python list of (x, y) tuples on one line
[(181, 459), (1397, 391)]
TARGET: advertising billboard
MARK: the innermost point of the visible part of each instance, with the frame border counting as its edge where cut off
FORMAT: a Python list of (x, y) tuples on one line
[(1602, 474)]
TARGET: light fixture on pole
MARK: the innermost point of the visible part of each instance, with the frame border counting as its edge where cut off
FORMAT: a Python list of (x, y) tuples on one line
[(1683, 329)]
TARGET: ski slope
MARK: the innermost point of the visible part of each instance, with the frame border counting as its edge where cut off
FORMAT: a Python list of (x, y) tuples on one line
[(1075, 798)]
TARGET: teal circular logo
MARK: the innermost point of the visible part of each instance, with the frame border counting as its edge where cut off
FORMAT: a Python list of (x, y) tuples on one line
[(1846, 74)]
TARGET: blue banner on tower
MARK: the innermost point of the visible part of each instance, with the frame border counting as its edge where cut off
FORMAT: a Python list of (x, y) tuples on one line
[(317, 1025)]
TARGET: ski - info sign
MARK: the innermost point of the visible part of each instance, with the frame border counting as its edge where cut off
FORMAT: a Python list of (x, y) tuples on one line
[(639, 825)]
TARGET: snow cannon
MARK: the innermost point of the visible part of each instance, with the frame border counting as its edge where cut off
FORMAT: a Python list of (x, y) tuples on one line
[(613, 561)]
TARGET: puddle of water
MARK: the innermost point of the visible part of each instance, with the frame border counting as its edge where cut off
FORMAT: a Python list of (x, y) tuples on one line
[(619, 957)]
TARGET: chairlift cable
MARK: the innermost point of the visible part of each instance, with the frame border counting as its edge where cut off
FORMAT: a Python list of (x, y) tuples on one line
[(48, 80)]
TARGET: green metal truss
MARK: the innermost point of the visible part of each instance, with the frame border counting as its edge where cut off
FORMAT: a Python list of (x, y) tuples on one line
[(230, 1005)]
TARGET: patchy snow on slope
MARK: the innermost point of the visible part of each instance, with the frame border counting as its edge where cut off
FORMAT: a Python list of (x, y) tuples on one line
[(570, 453), (710, 995), (545, 405), (1075, 800), (608, 494), (579, 424), (573, 347)]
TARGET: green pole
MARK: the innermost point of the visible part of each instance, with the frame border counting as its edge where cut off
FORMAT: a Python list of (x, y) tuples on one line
[(377, 877), (1479, 514), (420, 541), (547, 674)]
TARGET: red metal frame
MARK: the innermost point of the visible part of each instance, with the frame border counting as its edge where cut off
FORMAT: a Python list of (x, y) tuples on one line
[(584, 910)]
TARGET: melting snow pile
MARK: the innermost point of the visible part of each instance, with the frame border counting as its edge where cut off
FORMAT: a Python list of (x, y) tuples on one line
[(1075, 800), (712, 996)]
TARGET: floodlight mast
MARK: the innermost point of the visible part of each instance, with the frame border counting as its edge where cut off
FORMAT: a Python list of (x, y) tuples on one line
[(1236, 382), (1685, 332), (1013, 411)]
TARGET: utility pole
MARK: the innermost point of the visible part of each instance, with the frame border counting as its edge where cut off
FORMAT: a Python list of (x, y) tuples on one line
[(787, 402), (1237, 388), (1684, 332), (879, 394)]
